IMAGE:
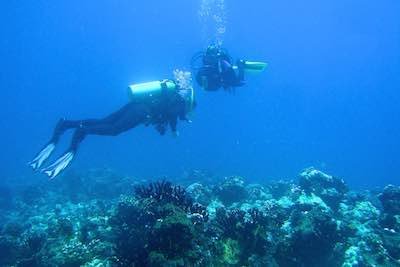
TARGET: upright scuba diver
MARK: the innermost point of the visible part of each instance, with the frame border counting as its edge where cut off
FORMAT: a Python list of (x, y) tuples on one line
[(158, 103), (215, 69)]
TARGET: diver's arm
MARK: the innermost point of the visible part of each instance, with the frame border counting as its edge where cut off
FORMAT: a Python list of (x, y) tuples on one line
[(240, 63)]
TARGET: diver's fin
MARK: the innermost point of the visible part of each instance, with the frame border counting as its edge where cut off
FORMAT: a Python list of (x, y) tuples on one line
[(253, 66), (42, 156), (54, 169)]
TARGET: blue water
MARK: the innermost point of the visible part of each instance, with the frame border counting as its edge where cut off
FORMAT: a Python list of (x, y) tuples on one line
[(330, 97)]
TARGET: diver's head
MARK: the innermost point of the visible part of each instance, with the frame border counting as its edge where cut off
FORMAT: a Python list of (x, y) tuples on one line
[(215, 53), (213, 50)]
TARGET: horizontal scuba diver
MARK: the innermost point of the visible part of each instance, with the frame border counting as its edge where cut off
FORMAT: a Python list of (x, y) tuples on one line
[(159, 103), (215, 69)]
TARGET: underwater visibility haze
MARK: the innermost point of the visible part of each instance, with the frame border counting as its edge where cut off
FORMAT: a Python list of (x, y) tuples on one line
[(275, 160)]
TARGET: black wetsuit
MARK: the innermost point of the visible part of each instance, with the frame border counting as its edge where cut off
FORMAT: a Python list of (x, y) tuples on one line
[(162, 112), (218, 72)]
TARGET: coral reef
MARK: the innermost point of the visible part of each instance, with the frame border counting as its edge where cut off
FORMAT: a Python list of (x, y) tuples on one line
[(231, 190), (242, 236), (331, 189), (159, 226), (100, 218)]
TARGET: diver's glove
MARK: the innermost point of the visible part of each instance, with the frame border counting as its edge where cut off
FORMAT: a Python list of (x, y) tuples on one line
[(57, 167)]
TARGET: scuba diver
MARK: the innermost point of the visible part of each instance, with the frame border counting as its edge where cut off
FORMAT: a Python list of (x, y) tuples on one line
[(215, 69), (158, 103)]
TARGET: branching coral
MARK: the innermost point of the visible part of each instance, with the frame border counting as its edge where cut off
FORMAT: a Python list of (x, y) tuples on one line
[(165, 192), (246, 228), (161, 224)]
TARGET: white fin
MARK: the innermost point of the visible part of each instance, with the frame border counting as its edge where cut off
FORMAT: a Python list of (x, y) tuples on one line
[(42, 156), (54, 169)]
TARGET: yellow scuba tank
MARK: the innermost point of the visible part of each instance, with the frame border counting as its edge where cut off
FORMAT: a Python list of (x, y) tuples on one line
[(155, 88), (254, 66), (150, 89)]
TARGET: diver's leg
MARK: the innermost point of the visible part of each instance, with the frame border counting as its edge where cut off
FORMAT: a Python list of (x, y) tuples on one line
[(121, 121), (62, 126), (130, 117)]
